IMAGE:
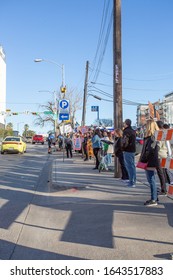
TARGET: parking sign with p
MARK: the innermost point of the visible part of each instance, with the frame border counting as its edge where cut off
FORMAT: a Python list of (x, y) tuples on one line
[(64, 104), (64, 109)]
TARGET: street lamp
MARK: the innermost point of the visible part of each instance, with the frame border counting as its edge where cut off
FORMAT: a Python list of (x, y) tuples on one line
[(63, 87)]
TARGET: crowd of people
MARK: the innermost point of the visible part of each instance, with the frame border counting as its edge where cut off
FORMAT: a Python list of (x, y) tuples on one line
[(102, 145)]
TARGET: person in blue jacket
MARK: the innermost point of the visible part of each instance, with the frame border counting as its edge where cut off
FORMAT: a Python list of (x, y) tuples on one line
[(50, 141)]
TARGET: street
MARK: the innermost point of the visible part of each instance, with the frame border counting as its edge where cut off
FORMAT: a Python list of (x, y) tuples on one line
[(20, 178), (55, 209)]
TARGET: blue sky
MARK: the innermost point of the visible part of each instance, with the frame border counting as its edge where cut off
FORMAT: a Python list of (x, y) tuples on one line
[(67, 32)]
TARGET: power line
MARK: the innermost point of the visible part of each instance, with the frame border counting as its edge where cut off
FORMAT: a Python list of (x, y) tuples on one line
[(102, 41), (103, 49)]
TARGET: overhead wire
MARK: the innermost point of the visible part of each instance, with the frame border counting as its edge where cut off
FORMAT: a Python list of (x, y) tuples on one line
[(102, 41), (100, 34)]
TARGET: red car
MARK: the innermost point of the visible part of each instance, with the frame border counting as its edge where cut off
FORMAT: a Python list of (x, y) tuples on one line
[(38, 139)]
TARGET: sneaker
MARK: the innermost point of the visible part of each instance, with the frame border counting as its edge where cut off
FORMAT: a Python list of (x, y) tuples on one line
[(162, 193), (150, 203), (124, 180), (131, 185)]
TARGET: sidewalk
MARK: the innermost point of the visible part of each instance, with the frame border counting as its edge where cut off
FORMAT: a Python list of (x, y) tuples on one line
[(117, 224)]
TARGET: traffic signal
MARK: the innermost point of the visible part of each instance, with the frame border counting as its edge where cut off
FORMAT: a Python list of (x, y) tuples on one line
[(63, 89)]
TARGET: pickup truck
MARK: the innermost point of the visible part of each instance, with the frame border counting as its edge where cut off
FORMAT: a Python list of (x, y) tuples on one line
[(38, 139)]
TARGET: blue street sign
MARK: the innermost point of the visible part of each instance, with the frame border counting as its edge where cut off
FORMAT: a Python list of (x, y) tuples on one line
[(64, 104), (63, 116), (94, 108)]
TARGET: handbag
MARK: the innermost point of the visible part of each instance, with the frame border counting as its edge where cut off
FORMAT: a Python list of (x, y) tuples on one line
[(142, 165)]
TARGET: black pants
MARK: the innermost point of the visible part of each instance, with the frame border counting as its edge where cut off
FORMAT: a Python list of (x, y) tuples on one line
[(69, 150), (85, 151), (125, 175), (162, 177), (96, 154)]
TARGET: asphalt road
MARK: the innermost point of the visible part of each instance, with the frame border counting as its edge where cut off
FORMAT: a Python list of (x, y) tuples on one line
[(20, 177)]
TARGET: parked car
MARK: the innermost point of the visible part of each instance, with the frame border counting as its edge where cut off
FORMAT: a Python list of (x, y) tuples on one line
[(13, 144), (38, 139), (139, 145), (28, 139)]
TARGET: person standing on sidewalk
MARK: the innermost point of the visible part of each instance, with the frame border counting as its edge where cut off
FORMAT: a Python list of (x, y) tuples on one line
[(110, 150), (96, 143), (119, 154), (89, 145), (68, 145), (150, 156), (162, 172), (85, 147), (49, 141), (129, 149)]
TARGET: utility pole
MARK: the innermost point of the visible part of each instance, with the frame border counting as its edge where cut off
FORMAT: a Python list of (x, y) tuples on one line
[(85, 94), (117, 74)]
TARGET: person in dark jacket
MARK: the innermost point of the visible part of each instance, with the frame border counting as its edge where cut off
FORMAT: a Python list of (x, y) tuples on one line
[(68, 145), (85, 148), (150, 156), (129, 149), (119, 154)]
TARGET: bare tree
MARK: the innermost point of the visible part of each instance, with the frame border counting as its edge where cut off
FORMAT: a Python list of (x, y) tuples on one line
[(75, 100), (43, 118)]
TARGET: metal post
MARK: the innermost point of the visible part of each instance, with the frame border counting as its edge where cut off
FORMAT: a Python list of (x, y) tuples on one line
[(55, 114), (63, 141), (98, 114)]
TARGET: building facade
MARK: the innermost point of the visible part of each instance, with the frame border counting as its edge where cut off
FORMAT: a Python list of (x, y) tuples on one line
[(141, 114), (2, 87), (160, 110), (168, 108)]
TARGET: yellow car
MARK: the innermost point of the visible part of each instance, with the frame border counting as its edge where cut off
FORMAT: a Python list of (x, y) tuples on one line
[(13, 144)]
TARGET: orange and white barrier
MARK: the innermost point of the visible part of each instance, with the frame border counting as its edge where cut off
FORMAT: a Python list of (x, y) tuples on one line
[(170, 191), (167, 163), (164, 135)]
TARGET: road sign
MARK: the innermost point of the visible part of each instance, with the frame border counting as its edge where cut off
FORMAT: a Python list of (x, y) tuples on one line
[(94, 108), (48, 113), (64, 106), (63, 116)]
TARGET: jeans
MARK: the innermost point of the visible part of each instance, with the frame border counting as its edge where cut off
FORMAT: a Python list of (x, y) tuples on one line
[(125, 175), (129, 159), (151, 180), (109, 159)]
